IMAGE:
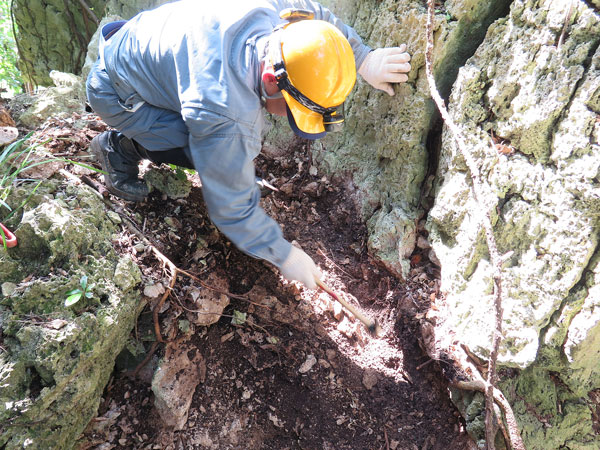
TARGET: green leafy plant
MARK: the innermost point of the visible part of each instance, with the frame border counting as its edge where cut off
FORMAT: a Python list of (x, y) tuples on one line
[(180, 172), (14, 159), (84, 290), (239, 318)]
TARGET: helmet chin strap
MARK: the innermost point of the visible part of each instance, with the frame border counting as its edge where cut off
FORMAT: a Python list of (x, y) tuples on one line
[(265, 96)]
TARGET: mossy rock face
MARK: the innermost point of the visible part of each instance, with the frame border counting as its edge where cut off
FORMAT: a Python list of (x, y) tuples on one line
[(58, 359), (534, 89)]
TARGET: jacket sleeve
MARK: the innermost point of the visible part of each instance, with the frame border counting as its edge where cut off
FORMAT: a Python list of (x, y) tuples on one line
[(321, 13), (223, 155)]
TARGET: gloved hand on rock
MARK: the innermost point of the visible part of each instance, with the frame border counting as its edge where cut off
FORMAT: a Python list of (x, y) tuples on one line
[(300, 267), (385, 66)]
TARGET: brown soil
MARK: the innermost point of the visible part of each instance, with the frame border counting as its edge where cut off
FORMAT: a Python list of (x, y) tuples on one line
[(288, 375)]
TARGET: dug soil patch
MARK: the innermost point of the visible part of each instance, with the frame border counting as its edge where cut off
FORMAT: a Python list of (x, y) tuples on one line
[(283, 367)]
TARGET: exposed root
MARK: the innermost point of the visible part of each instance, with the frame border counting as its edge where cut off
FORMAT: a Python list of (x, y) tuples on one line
[(478, 189), (173, 269)]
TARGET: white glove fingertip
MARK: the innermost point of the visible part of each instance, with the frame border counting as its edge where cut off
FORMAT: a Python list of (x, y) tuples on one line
[(402, 48)]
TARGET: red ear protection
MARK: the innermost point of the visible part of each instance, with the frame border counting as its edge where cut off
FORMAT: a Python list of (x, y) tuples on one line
[(269, 77)]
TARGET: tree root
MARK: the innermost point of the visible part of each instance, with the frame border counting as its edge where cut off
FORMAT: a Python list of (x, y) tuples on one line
[(483, 386), (173, 269), (478, 189)]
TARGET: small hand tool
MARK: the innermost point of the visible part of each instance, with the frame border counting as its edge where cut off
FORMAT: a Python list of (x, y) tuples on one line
[(371, 324), (11, 239)]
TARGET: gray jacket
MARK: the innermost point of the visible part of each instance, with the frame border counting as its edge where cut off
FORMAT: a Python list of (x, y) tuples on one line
[(201, 61)]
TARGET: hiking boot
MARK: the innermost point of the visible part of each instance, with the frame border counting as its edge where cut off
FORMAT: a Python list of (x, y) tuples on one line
[(119, 157)]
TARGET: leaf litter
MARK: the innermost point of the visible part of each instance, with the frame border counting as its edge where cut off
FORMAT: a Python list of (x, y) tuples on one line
[(282, 367)]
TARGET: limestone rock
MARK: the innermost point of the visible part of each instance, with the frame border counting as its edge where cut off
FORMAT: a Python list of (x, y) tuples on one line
[(383, 143), (168, 182), (308, 364), (8, 135), (62, 353), (370, 379), (175, 381), (542, 100), (127, 274), (60, 101)]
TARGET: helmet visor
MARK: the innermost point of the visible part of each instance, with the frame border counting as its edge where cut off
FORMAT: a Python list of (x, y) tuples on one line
[(298, 131)]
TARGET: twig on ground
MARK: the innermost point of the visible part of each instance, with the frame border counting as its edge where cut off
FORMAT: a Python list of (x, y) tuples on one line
[(495, 258), (173, 269), (429, 361), (94, 184), (334, 264), (565, 25)]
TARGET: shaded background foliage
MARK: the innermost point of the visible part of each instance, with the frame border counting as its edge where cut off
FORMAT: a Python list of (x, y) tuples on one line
[(10, 76)]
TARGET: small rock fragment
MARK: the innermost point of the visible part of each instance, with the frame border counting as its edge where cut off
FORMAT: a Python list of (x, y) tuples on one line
[(346, 328), (311, 189), (370, 379), (154, 290), (338, 312), (56, 324), (308, 364), (324, 363), (287, 189), (422, 243), (174, 383), (8, 288), (434, 259), (114, 217), (276, 421)]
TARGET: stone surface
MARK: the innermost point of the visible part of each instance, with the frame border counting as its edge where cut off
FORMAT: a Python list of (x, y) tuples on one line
[(537, 94), (168, 182), (58, 359), (8, 135), (383, 145), (175, 381), (60, 101)]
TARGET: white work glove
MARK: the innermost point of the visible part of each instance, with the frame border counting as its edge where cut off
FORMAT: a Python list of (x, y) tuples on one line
[(300, 267), (385, 66)]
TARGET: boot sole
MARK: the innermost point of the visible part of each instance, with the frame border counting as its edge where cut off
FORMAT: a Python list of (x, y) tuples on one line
[(105, 163)]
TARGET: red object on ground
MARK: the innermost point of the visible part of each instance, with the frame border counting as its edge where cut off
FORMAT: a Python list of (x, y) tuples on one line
[(11, 239)]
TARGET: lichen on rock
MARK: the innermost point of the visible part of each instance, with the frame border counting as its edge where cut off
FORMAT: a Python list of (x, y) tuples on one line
[(383, 145), (527, 103), (58, 359)]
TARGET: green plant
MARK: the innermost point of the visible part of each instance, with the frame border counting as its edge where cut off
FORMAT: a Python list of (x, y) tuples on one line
[(15, 159), (10, 76), (180, 172), (84, 290)]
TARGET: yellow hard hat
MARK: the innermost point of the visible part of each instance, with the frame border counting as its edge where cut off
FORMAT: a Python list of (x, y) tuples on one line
[(315, 70)]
